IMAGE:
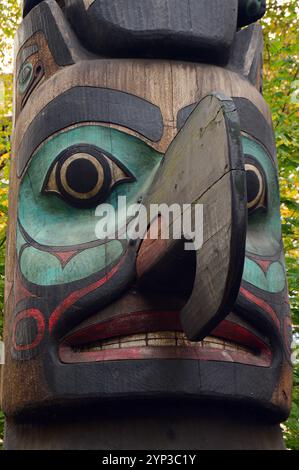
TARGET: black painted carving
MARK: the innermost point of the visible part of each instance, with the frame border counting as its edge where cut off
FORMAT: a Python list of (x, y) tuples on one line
[(88, 104), (43, 19), (250, 38), (251, 121), (54, 330), (250, 11), (199, 29), (28, 5)]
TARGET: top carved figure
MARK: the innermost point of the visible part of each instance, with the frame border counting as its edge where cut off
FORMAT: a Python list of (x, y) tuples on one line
[(197, 29), (160, 102)]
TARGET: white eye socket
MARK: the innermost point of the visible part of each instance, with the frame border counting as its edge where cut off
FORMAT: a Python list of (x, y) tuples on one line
[(84, 176), (256, 185)]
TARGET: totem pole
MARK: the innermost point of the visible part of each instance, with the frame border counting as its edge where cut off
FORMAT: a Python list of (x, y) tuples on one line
[(136, 343)]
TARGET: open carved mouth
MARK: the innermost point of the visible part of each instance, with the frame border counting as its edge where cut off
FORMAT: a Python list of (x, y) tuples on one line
[(158, 335)]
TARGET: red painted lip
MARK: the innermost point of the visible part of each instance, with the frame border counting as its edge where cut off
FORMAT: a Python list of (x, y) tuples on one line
[(77, 295), (259, 353)]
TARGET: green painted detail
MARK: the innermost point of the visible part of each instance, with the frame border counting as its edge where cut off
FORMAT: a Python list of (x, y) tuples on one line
[(25, 77), (272, 281), (45, 269), (51, 221), (264, 228)]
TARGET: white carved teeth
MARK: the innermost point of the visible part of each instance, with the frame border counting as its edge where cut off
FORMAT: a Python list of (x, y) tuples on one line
[(160, 339)]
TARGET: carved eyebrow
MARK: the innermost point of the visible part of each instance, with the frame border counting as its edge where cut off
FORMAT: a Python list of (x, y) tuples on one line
[(251, 121), (89, 104)]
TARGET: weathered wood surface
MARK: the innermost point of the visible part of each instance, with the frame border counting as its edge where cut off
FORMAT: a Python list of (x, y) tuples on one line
[(203, 30), (154, 426), (64, 89), (199, 80), (205, 165)]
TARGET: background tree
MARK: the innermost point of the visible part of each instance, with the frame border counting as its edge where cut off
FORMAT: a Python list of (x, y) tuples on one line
[(281, 89)]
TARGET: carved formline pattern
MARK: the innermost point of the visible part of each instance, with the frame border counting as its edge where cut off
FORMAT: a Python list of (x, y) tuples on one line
[(159, 102)]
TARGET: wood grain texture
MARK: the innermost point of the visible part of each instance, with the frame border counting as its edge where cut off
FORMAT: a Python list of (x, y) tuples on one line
[(204, 165), (37, 380), (200, 29), (49, 18), (90, 104), (28, 5), (246, 56), (36, 52), (252, 122), (144, 425), (221, 258), (250, 11), (198, 80)]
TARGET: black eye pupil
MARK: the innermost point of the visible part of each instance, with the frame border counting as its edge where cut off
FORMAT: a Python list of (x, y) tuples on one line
[(253, 185), (82, 175)]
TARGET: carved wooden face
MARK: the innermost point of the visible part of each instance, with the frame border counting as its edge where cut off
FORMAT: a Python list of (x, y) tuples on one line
[(79, 322)]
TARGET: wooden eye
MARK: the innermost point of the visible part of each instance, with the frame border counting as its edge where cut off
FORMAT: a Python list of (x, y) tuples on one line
[(84, 176), (256, 185), (25, 77)]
